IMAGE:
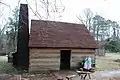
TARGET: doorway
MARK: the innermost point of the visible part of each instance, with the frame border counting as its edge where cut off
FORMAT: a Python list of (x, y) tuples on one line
[(65, 56)]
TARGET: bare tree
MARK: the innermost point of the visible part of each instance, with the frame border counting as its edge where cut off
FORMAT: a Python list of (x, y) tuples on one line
[(87, 19), (2, 4), (47, 9), (2, 16), (116, 28), (3, 8)]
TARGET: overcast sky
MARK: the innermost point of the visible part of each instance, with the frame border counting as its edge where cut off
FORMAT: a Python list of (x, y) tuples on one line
[(107, 8)]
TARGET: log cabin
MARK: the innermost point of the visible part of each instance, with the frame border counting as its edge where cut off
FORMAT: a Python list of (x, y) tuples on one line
[(58, 45), (51, 45)]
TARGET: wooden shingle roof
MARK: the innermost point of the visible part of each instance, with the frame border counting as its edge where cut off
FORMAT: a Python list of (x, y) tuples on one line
[(51, 34)]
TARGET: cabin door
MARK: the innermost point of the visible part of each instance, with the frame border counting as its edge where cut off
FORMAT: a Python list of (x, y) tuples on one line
[(65, 56)]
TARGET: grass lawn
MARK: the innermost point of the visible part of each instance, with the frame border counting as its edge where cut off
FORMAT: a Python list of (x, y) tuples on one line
[(6, 67), (108, 62)]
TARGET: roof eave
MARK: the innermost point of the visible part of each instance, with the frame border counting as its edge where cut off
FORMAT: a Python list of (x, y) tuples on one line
[(61, 47)]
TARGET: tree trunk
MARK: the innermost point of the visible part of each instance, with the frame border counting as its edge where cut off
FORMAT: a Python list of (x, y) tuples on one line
[(97, 33)]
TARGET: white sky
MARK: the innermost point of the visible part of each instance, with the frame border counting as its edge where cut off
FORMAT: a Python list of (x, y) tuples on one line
[(107, 8)]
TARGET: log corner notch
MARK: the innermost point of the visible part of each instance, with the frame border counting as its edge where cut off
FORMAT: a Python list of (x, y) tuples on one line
[(21, 57)]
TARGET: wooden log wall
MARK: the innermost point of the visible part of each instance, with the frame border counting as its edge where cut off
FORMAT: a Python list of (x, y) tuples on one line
[(44, 60), (78, 55), (49, 59)]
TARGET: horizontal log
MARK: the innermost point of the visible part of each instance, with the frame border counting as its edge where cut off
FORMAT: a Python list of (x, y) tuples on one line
[(44, 64), (75, 61), (74, 64), (44, 50), (44, 55), (83, 50), (81, 55), (44, 61), (58, 50)]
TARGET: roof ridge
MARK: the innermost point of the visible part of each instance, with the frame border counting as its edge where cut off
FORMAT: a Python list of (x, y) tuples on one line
[(57, 22)]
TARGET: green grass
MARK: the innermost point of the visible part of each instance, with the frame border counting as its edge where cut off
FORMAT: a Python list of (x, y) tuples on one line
[(5, 67), (108, 62)]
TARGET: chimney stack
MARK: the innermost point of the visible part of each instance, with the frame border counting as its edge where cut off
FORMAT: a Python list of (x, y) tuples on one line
[(22, 55)]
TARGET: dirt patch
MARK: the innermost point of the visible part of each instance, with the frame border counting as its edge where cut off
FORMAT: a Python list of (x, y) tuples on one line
[(10, 77), (49, 75)]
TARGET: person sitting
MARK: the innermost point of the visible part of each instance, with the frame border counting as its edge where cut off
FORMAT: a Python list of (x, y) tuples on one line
[(87, 64)]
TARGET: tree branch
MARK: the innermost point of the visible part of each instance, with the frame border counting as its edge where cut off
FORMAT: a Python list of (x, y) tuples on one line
[(39, 17), (4, 4), (80, 19)]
